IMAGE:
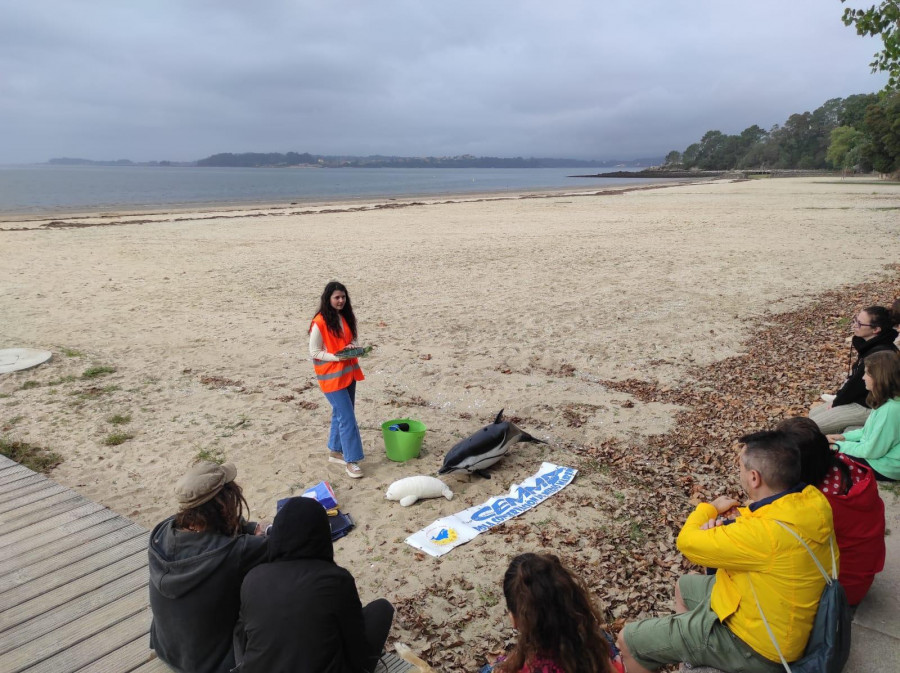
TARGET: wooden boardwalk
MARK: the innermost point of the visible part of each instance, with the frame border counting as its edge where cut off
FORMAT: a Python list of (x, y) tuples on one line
[(73, 583)]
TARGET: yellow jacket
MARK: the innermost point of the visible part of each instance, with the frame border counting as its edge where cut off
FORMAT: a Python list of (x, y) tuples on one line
[(786, 580)]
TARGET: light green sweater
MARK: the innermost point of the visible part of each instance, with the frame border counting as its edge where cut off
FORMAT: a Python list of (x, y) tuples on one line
[(878, 441)]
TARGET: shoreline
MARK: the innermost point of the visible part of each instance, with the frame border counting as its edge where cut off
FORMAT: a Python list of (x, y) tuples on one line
[(309, 207)]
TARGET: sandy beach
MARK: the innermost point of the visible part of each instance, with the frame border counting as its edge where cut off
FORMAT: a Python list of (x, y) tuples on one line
[(525, 303)]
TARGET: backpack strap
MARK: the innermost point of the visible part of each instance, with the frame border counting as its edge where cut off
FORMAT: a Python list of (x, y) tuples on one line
[(768, 628), (834, 573), (828, 581)]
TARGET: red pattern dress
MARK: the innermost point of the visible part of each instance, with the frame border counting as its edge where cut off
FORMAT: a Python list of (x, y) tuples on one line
[(858, 525)]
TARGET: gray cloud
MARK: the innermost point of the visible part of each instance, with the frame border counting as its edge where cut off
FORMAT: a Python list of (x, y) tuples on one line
[(179, 80)]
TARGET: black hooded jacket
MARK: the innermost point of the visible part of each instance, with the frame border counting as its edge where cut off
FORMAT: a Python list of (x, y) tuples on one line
[(300, 612), (195, 582), (854, 389)]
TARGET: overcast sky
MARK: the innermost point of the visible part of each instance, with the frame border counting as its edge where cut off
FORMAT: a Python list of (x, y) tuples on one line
[(183, 79)]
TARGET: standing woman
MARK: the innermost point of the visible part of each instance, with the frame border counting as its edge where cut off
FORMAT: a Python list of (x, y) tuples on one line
[(332, 330), (873, 332)]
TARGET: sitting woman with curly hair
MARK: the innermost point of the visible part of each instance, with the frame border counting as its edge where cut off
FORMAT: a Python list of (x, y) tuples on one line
[(559, 625)]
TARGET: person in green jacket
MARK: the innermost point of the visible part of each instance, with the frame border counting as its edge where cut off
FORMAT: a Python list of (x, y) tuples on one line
[(877, 443)]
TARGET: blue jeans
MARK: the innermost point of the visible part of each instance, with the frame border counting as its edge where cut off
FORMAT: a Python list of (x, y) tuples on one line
[(344, 436)]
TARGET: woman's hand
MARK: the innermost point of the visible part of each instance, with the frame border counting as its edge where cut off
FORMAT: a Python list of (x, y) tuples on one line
[(834, 438)]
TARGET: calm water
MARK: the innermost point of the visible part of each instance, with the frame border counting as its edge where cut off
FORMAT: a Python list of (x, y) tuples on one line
[(42, 189)]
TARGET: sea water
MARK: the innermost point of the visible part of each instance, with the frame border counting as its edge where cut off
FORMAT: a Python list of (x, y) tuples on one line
[(45, 188)]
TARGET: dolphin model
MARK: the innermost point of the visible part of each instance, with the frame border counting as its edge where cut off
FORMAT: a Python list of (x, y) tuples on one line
[(479, 451)]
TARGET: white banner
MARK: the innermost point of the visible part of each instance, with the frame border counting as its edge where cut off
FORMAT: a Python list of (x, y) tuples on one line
[(452, 531)]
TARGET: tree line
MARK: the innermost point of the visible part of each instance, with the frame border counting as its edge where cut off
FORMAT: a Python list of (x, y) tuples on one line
[(860, 132)]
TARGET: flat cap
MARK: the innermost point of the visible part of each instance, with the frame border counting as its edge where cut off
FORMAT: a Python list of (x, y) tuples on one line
[(203, 482)]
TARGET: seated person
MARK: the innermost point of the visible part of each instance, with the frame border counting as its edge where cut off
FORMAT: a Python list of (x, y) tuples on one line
[(856, 507), (718, 622), (873, 332), (558, 623), (877, 443), (300, 611), (198, 559)]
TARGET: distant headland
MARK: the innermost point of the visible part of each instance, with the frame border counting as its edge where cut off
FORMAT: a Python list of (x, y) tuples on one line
[(306, 160)]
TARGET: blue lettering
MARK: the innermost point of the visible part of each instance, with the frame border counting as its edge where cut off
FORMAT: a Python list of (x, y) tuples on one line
[(523, 493), (502, 505), (482, 514)]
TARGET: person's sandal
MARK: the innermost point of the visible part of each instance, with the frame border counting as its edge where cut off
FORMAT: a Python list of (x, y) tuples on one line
[(354, 471), (336, 457)]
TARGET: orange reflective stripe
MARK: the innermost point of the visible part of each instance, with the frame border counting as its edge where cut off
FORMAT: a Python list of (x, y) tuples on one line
[(345, 367)]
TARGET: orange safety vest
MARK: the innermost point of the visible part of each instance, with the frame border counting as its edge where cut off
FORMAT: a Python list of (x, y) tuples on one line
[(334, 376)]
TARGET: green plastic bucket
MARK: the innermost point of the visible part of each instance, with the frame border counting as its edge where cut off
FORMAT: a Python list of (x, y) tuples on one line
[(400, 446)]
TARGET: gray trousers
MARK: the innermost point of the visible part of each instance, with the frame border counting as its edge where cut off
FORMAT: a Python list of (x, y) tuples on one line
[(835, 420)]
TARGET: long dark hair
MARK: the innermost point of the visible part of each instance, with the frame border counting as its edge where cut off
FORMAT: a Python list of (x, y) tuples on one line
[(884, 369), (331, 316), (816, 456), (222, 514), (555, 617)]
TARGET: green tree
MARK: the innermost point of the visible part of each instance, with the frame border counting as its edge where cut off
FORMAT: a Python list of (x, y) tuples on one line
[(882, 19), (689, 158), (882, 125), (844, 140), (714, 151), (853, 109), (673, 158)]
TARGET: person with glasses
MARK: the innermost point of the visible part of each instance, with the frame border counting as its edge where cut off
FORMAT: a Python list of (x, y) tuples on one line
[(873, 331)]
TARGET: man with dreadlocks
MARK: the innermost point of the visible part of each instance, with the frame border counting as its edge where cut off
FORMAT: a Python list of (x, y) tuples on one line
[(198, 559)]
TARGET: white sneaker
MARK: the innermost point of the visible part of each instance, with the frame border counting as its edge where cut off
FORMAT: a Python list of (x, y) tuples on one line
[(336, 457), (354, 471), (827, 398)]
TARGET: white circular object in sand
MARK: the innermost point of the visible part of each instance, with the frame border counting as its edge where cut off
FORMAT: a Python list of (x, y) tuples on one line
[(17, 359)]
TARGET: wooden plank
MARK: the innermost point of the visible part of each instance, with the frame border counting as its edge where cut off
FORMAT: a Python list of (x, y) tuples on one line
[(7, 509), (70, 574), (96, 647), (127, 658), (27, 503), (66, 637), (155, 666), (7, 490), (67, 512), (39, 511), (7, 464), (23, 489), (13, 475), (67, 592), (21, 555), (70, 556), (26, 539), (74, 609)]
